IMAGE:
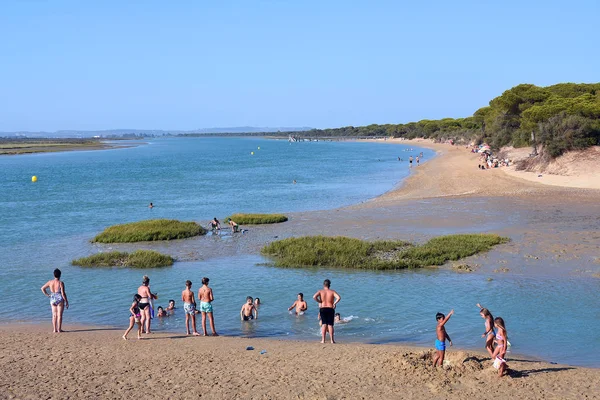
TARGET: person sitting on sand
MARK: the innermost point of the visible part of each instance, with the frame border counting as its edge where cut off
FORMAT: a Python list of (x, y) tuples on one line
[(205, 295), (300, 305), (248, 311), (189, 307), (215, 225), (501, 344), (327, 300), (442, 335), (171, 306), (135, 317), (234, 226), (489, 329), (58, 300)]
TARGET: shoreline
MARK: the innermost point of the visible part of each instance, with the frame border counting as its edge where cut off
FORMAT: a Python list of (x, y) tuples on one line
[(62, 147), (96, 362)]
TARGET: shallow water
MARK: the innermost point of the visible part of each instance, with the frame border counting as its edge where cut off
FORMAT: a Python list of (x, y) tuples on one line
[(47, 224)]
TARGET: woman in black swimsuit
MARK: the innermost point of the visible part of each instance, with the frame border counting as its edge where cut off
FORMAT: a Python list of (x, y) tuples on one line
[(144, 304)]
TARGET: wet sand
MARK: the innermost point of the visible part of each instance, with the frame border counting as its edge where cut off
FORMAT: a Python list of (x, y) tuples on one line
[(97, 363)]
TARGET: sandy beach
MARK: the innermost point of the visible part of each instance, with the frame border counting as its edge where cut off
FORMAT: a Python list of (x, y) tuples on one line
[(98, 363)]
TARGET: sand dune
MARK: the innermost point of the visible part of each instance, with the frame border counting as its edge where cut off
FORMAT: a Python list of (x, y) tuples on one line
[(97, 363)]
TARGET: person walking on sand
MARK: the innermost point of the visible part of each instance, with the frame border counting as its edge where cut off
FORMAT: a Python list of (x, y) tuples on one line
[(58, 300), (189, 308), (490, 332), (205, 295), (134, 317), (144, 291), (327, 300), (442, 335)]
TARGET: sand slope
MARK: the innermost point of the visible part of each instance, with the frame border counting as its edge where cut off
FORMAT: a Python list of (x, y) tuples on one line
[(97, 363)]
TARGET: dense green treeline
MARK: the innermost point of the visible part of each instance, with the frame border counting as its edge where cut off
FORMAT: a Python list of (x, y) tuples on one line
[(561, 117)]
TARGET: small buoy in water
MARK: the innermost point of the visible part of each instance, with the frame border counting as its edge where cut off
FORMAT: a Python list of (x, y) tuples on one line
[(34, 178), (252, 153), (259, 147)]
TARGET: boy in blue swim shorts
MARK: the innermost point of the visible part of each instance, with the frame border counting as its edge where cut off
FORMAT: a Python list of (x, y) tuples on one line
[(442, 335)]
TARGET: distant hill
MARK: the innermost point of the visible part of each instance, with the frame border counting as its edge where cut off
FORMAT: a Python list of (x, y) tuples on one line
[(148, 132)]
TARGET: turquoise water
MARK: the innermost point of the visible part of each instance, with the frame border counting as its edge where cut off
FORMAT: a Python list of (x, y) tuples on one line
[(46, 224)]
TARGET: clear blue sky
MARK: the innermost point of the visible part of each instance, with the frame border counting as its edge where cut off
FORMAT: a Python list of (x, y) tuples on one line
[(90, 65)]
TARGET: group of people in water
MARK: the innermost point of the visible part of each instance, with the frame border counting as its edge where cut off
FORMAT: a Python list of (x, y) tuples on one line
[(496, 337)]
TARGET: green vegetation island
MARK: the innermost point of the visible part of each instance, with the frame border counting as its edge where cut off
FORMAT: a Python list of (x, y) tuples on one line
[(149, 230), (256, 219), (348, 253), (137, 259)]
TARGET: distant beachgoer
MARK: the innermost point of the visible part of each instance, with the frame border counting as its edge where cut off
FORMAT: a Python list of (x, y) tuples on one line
[(257, 303), (171, 306), (144, 291), (489, 329), (248, 311), (501, 344), (417, 159), (442, 335), (205, 295), (189, 307), (410, 160), (338, 319), (294, 182), (421, 155), (58, 300), (134, 317), (215, 224), (151, 205), (300, 305), (327, 300), (161, 312), (234, 226)]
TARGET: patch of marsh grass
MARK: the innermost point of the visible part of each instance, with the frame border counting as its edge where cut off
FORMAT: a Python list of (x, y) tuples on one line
[(256, 219), (137, 259), (149, 230), (344, 252)]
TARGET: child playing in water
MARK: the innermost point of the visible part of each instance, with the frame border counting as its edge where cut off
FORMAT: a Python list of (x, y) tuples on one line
[(135, 317), (162, 312), (257, 303), (189, 307), (171, 306), (500, 351), (442, 335), (300, 305), (248, 311), (489, 329)]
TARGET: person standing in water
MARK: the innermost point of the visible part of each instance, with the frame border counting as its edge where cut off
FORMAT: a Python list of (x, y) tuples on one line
[(489, 333), (234, 226), (144, 305), (189, 308), (410, 159), (58, 300), (151, 206), (205, 295), (327, 300)]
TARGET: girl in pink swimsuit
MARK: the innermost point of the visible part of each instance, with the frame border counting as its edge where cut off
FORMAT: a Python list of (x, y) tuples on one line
[(501, 343)]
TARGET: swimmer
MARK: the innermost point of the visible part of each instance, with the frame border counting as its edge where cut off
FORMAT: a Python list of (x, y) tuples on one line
[(161, 312), (189, 307), (58, 299), (294, 182), (300, 305), (248, 311), (442, 335), (257, 303), (338, 319), (171, 306), (151, 206), (234, 226), (135, 317)]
